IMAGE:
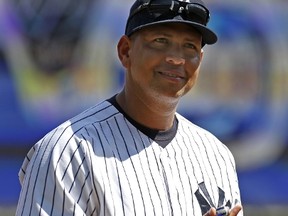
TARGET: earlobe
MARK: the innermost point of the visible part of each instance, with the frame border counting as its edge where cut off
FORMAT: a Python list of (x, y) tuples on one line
[(123, 49)]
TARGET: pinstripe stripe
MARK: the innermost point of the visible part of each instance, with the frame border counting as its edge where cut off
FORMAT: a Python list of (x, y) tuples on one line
[(153, 179), (190, 165), (102, 199), (206, 169), (183, 149), (119, 181), (63, 202), (200, 145), (29, 178), (129, 156), (33, 191), (55, 169), (107, 171), (216, 152), (120, 155), (92, 173), (209, 163), (161, 173), (135, 144), (168, 191), (180, 179), (230, 172)]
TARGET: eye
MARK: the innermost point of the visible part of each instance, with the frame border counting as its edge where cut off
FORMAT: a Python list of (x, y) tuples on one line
[(190, 46), (160, 43), (161, 40)]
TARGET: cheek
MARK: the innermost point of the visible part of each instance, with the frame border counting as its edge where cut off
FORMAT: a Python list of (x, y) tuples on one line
[(193, 78), (139, 67), (196, 61), (194, 66), (144, 61), (193, 71)]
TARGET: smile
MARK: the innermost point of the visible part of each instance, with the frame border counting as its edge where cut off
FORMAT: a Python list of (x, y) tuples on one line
[(171, 75)]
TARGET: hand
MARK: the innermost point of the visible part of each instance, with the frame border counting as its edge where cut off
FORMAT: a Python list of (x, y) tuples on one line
[(233, 212)]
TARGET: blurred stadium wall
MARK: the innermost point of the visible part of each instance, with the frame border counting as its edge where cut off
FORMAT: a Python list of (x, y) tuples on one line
[(57, 58)]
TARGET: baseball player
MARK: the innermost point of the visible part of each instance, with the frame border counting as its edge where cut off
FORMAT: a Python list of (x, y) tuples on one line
[(133, 154)]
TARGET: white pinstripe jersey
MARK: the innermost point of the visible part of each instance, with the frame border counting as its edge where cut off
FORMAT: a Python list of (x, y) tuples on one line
[(98, 163)]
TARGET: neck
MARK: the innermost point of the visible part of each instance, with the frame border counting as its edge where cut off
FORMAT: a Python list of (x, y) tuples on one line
[(152, 113)]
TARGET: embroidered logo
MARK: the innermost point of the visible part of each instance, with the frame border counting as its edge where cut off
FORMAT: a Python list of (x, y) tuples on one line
[(205, 199)]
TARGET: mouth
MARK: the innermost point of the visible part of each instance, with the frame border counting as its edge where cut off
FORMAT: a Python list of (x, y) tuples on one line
[(171, 75)]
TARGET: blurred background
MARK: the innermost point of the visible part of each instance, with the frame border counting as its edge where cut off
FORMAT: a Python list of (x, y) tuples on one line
[(57, 58)]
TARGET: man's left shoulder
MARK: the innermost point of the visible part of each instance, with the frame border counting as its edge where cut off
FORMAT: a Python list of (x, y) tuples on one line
[(198, 132)]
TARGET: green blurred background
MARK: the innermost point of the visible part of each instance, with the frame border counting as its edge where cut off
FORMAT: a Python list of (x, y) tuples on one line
[(57, 58)]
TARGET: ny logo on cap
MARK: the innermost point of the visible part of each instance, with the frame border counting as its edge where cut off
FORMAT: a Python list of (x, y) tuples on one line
[(184, 1)]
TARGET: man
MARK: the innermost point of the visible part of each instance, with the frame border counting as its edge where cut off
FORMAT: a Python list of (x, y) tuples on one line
[(133, 154)]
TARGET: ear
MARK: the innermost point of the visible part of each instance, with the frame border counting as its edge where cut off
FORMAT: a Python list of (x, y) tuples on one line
[(201, 54), (123, 49)]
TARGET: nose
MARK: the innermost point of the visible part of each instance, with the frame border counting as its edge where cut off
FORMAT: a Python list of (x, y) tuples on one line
[(175, 60), (175, 56)]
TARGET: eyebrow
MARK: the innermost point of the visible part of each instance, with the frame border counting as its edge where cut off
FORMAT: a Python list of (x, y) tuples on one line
[(191, 38)]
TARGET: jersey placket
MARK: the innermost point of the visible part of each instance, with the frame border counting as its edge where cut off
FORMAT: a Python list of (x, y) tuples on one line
[(172, 188)]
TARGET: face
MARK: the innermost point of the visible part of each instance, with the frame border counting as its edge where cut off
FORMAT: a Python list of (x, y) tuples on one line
[(161, 61)]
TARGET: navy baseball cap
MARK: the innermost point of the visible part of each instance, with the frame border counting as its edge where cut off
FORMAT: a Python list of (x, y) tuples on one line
[(144, 13)]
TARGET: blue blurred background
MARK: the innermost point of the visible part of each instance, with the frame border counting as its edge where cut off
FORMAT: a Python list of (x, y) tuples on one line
[(57, 58)]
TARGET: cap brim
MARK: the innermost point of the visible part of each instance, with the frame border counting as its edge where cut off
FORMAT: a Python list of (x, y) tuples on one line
[(208, 36)]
